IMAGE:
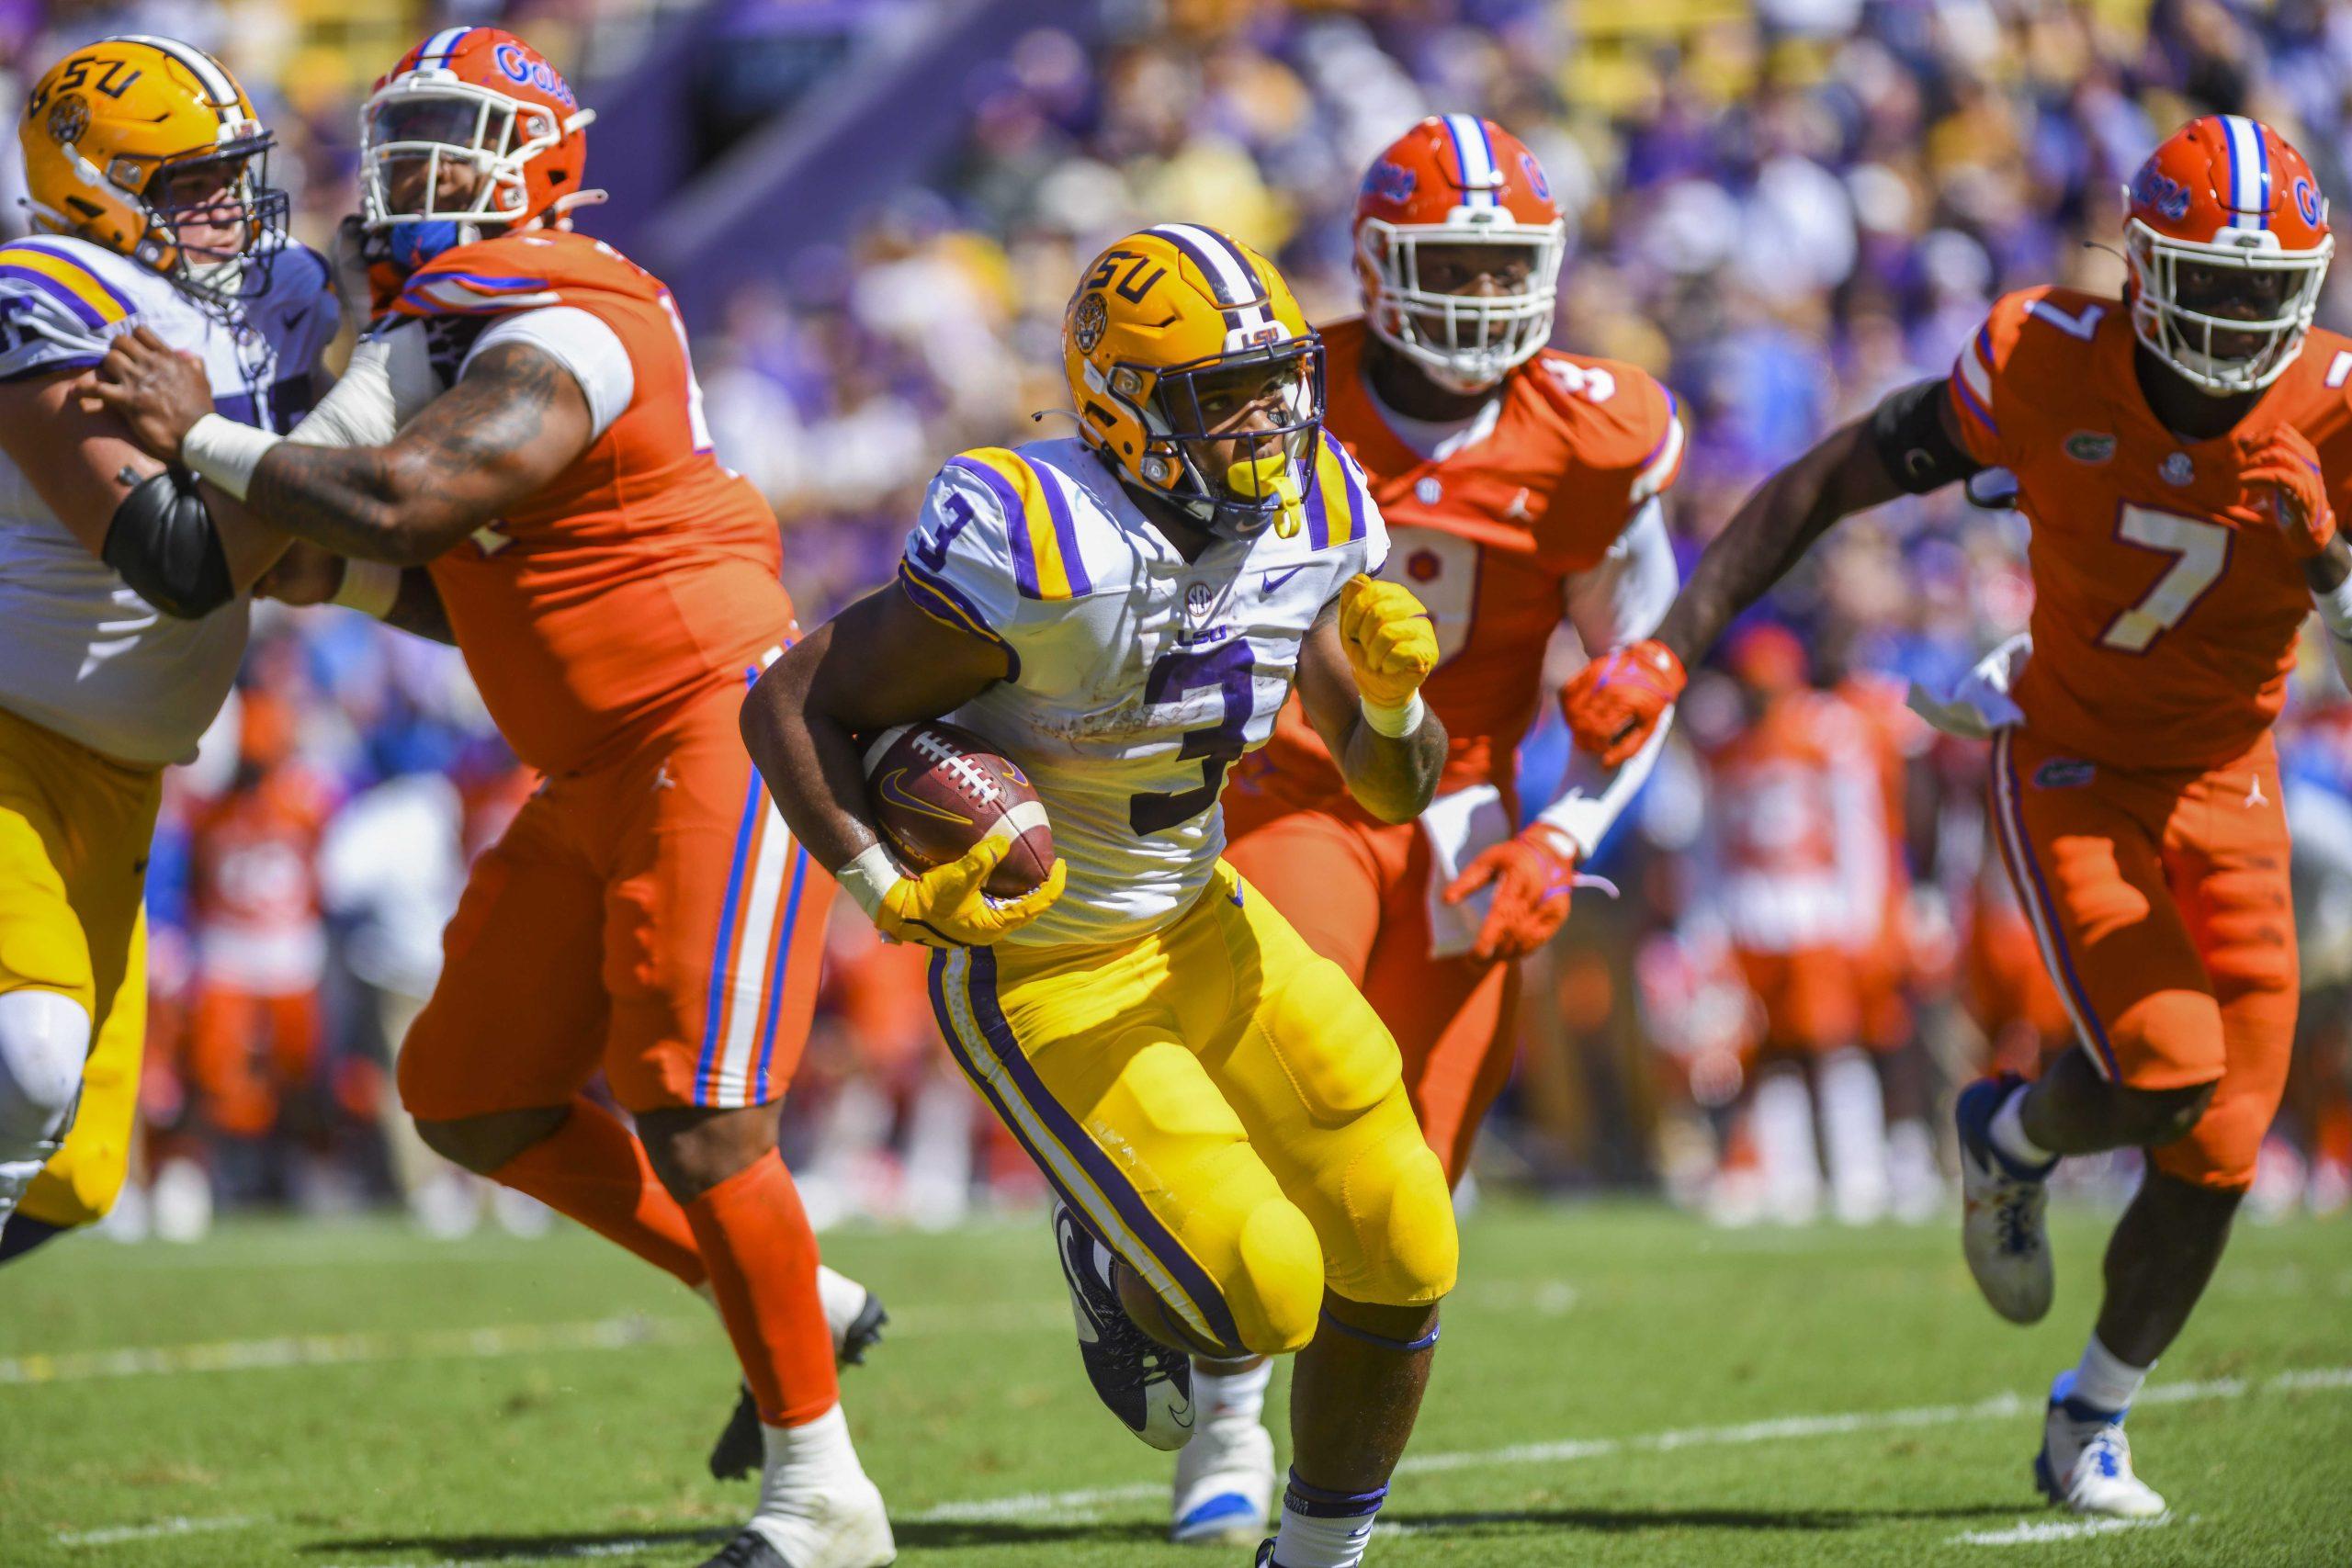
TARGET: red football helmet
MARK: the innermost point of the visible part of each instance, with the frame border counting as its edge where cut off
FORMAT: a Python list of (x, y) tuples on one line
[(472, 130), (2225, 211), (1458, 180)]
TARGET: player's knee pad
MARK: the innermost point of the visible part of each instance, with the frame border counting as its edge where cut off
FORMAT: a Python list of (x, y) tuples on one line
[(1402, 1210), (1335, 1047), (1275, 1290), (44, 1041), (2167, 1038), (2218, 1146)]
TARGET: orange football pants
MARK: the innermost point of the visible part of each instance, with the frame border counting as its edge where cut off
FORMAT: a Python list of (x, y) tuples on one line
[(1357, 893), (2160, 902), (651, 916), (238, 1078)]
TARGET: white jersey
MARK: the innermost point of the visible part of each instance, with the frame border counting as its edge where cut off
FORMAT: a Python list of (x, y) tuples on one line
[(1136, 677), (84, 656)]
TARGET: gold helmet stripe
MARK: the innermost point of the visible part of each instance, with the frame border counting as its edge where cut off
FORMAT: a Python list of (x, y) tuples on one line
[(225, 99), (1235, 281)]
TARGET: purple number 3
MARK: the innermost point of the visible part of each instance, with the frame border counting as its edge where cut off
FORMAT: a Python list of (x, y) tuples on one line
[(933, 552), (1230, 668)]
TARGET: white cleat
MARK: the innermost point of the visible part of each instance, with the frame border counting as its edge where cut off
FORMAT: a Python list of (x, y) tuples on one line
[(819, 1513), (1224, 1485), (2084, 1465), (2003, 1231)]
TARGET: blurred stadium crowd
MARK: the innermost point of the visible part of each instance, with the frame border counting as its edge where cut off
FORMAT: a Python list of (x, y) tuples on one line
[(1782, 209)]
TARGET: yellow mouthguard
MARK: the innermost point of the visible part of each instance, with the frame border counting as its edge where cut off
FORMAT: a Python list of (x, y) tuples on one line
[(1258, 478)]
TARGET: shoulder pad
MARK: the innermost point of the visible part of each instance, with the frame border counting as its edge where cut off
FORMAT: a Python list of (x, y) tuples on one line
[(1039, 527), (489, 277), (57, 311)]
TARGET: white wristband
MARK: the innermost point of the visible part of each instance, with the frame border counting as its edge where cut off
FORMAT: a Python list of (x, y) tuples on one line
[(1396, 723), (370, 587), (2335, 609), (226, 452), (869, 878)]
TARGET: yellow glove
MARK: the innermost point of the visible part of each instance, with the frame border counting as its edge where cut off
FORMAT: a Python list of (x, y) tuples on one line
[(948, 905), (1391, 645)]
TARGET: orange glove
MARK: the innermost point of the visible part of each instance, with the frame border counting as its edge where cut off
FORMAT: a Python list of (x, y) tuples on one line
[(1616, 701), (2289, 463), (1534, 876)]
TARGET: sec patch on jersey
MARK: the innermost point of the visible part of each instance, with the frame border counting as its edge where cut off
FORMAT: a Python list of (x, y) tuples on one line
[(937, 789)]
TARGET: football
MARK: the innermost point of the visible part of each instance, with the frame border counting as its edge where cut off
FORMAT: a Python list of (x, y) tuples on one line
[(936, 790)]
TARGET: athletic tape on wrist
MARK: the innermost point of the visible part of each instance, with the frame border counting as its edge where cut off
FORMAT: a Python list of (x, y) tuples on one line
[(1396, 723), (869, 877), (370, 587), (2335, 609), (225, 452)]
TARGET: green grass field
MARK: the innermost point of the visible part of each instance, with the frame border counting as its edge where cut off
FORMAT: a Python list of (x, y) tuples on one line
[(1617, 1385)]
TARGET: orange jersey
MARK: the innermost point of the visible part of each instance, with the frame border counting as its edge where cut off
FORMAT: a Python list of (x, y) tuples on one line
[(2166, 602), (645, 574), (1797, 828), (1489, 537)]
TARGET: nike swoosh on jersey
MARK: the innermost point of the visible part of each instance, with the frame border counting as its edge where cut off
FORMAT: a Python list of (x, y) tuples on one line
[(1274, 579)]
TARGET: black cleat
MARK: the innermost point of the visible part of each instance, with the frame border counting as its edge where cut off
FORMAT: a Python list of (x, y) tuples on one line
[(740, 1452), (864, 1332), (1147, 1385), (749, 1549)]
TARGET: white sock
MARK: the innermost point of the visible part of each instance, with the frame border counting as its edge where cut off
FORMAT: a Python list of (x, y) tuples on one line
[(1853, 1126), (1327, 1537), (1781, 1120), (843, 1297), (2006, 1133), (1230, 1396), (2106, 1382), (813, 1449)]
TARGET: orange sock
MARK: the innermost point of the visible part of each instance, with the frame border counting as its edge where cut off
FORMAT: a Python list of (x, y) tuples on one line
[(763, 1259), (593, 1170)]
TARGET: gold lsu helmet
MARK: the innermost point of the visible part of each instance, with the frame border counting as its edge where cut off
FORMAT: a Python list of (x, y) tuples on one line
[(127, 138), (1174, 333)]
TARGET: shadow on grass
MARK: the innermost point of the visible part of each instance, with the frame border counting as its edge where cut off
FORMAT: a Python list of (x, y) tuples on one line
[(951, 1535), (1633, 1521)]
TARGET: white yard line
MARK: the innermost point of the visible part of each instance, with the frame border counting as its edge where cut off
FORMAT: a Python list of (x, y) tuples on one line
[(176, 1524), (344, 1349), (1080, 1504), (2053, 1531)]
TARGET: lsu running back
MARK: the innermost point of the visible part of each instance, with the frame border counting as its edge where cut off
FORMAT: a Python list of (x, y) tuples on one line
[(1121, 613), (147, 176)]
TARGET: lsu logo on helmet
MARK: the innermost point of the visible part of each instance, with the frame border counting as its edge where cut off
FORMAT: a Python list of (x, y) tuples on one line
[(1195, 377), (130, 140)]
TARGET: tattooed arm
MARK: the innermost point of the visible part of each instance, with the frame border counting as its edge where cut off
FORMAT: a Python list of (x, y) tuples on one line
[(516, 420)]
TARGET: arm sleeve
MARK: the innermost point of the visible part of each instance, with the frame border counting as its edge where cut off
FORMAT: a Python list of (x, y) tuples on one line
[(388, 380), (579, 342), (958, 566), (1621, 600)]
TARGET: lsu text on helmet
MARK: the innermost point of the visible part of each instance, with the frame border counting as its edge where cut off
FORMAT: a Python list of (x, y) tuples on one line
[(1196, 377), (1457, 180), (132, 140), (472, 131), (2225, 214)]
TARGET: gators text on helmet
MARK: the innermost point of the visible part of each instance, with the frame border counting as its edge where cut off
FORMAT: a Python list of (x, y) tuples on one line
[(1457, 180), (471, 132), (2225, 214), (130, 140), (1196, 377)]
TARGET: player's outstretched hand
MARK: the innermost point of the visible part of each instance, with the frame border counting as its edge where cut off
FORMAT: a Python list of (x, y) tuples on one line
[(948, 905), (1533, 877), (1614, 704), (2288, 465), (158, 392), (1390, 643)]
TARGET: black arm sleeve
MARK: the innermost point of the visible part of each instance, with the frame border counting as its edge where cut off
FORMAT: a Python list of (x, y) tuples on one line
[(163, 542), (1908, 429)]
